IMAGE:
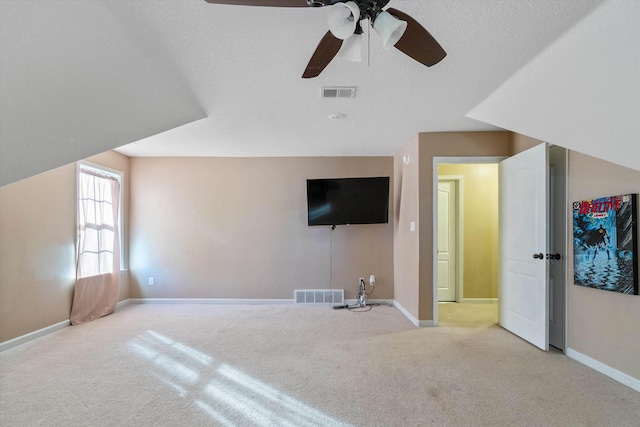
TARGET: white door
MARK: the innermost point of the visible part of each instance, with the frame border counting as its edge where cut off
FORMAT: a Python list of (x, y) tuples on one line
[(446, 240), (524, 279)]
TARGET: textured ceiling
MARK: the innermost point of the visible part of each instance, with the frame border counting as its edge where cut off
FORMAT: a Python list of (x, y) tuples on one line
[(244, 65), (184, 77)]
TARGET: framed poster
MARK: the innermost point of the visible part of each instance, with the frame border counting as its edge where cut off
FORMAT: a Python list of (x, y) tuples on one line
[(605, 243)]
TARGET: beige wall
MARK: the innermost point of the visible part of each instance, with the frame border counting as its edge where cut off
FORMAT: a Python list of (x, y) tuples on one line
[(414, 283), (522, 143), (406, 251), (480, 227), (450, 144), (237, 228), (37, 248), (602, 325)]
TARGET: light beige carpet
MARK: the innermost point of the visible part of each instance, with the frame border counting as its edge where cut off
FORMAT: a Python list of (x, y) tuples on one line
[(300, 365)]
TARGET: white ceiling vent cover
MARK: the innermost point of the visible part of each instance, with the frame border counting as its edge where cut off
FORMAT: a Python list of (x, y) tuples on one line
[(338, 92), (319, 296)]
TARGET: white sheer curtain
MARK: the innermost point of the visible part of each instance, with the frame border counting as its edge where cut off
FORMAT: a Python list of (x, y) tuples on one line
[(98, 264)]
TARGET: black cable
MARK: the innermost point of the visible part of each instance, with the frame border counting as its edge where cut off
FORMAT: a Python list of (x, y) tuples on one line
[(378, 304), (333, 227), (356, 308)]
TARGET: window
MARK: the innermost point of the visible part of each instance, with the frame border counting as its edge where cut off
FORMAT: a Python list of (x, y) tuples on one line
[(98, 219)]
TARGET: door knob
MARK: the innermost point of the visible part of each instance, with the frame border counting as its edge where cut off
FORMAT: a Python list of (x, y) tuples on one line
[(538, 256), (554, 256)]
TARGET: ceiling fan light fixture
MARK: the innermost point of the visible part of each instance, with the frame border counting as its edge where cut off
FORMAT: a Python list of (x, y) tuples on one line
[(343, 18), (351, 49), (389, 28), (337, 116)]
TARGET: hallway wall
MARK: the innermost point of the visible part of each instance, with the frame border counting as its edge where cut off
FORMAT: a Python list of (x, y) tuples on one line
[(479, 227)]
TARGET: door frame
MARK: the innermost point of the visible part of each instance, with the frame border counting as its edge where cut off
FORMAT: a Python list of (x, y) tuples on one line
[(459, 222), (436, 162), (561, 223)]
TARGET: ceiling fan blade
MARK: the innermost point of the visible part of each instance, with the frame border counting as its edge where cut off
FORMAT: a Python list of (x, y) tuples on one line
[(273, 3), (325, 52), (417, 42)]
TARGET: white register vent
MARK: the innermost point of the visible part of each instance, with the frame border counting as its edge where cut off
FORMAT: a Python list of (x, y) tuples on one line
[(338, 92), (319, 296)]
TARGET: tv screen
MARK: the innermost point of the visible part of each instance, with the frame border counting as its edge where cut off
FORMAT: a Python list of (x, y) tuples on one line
[(343, 201)]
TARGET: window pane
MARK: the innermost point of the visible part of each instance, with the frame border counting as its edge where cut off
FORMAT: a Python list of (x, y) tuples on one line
[(105, 213), (106, 262), (91, 212), (87, 184), (89, 265), (91, 243), (106, 240)]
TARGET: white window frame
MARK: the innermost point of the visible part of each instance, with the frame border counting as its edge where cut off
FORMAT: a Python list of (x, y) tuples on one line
[(114, 173)]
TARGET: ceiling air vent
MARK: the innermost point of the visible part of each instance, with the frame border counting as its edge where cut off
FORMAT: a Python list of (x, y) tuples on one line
[(338, 92)]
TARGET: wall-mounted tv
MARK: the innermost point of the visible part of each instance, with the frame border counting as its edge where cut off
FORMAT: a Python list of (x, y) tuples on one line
[(341, 201)]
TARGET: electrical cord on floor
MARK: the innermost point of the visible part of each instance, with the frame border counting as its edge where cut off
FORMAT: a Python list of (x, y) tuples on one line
[(360, 309), (368, 307), (377, 304)]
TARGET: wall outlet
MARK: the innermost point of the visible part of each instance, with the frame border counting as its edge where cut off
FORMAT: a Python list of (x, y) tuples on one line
[(151, 281)]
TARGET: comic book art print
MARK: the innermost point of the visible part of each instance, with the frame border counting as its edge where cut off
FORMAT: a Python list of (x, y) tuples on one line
[(605, 243)]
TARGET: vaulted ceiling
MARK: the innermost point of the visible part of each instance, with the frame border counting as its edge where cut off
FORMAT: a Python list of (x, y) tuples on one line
[(188, 78)]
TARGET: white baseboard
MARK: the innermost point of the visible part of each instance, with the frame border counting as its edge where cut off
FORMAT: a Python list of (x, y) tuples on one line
[(33, 335), (382, 300), (208, 301), (42, 332), (613, 373), (479, 300), (416, 322), (426, 323), (122, 303)]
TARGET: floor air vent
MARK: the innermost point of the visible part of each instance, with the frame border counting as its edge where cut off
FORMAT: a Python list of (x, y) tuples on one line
[(319, 296)]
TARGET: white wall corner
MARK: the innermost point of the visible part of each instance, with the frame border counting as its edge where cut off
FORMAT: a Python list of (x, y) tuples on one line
[(613, 373)]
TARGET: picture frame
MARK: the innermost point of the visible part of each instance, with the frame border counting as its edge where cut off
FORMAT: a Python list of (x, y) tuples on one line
[(605, 243)]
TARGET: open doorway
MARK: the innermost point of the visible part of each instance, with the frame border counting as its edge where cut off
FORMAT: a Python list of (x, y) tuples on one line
[(476, 249), (475, 245), (467, 242), (468, 236)]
